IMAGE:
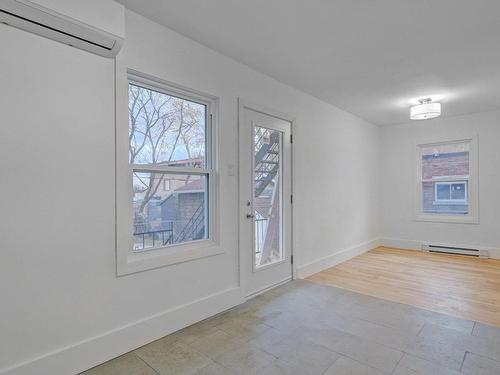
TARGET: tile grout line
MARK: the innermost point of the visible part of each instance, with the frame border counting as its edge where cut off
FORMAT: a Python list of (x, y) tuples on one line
[(484, 356), (147, 364), (397, 364), (473, 328), (336, 359), (362, 363), (218, 363), (436, 363), (463, 361), (420, 330)]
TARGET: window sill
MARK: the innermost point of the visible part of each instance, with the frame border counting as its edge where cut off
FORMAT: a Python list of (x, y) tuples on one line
[(453, 219), (450, 203), (135, 262)]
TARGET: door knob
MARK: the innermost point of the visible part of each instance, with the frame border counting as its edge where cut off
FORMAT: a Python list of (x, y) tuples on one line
[(250, 216)]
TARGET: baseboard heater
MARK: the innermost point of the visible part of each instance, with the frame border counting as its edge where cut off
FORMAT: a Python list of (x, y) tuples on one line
[(455, 250)]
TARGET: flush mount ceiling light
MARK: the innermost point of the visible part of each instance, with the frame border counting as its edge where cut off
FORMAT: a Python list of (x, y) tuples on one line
[(425, 110)]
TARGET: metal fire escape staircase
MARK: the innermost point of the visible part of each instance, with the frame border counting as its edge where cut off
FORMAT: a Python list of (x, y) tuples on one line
[(266, 161), (194, 228)]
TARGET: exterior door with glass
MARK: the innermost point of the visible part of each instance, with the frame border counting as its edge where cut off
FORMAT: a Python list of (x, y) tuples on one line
[(265, 195)]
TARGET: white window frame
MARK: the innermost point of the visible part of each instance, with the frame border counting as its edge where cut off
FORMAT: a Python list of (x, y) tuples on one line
[(472, 185), (451, 200), (127, 260)]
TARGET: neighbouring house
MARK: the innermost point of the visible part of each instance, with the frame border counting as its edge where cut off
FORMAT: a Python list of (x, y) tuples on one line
[(175, 213), (187, 205)]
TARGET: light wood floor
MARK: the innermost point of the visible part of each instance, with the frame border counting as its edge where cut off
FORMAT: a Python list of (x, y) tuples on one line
[(461, 286)]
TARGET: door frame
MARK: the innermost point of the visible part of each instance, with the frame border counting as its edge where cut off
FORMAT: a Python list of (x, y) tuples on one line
[(242, 105)]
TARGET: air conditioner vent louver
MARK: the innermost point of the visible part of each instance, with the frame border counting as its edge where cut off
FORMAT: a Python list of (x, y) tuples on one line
[(445, 249), (53, 25)]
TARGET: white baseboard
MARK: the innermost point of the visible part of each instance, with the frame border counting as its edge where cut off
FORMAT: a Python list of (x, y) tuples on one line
[(336, 258), (262, 291), (95, 350), (399, 243)]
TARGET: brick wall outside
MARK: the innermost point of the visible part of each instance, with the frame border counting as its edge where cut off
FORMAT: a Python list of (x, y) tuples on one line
[(452, 164)]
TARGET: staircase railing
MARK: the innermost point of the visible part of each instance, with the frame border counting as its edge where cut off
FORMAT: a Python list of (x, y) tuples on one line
[(266, 161), (164, 235), (193, 226)]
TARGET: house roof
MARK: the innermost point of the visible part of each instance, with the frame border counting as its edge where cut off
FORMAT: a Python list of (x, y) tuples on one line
[(197, 185), (184, 162)]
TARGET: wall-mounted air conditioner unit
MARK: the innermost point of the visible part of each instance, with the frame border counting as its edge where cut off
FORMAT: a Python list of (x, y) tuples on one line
[(445, 249), (97, 26)]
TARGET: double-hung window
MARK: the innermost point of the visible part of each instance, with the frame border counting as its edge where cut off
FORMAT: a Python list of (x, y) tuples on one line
[(171, 170), (447, 181)]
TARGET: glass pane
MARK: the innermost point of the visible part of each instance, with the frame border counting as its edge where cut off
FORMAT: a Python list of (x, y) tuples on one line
[(445, 160), (443, 192), (458, 191), (267, 196), (451, 198), (165, 130), (170, 212)]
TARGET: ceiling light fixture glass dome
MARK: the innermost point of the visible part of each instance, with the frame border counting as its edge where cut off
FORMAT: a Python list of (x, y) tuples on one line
[(425, 110)]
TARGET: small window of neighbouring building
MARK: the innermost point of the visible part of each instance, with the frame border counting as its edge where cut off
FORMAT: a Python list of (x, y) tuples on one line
[(451, 193)]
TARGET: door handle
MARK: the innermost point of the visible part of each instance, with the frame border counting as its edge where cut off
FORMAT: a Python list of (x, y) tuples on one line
[(250, 216)]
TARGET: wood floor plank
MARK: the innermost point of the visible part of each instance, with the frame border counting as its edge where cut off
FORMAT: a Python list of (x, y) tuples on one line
[(457, 285)]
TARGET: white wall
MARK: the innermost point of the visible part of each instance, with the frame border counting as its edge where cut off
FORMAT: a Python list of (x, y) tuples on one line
[(63, 309), (398, 181)]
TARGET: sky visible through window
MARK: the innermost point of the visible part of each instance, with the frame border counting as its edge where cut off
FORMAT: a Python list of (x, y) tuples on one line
[(164, 128)]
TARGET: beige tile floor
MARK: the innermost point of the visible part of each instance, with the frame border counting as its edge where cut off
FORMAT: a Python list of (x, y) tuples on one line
[(305, 328)]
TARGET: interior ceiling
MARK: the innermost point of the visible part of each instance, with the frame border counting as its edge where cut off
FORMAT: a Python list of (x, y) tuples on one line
[(372, 58)]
